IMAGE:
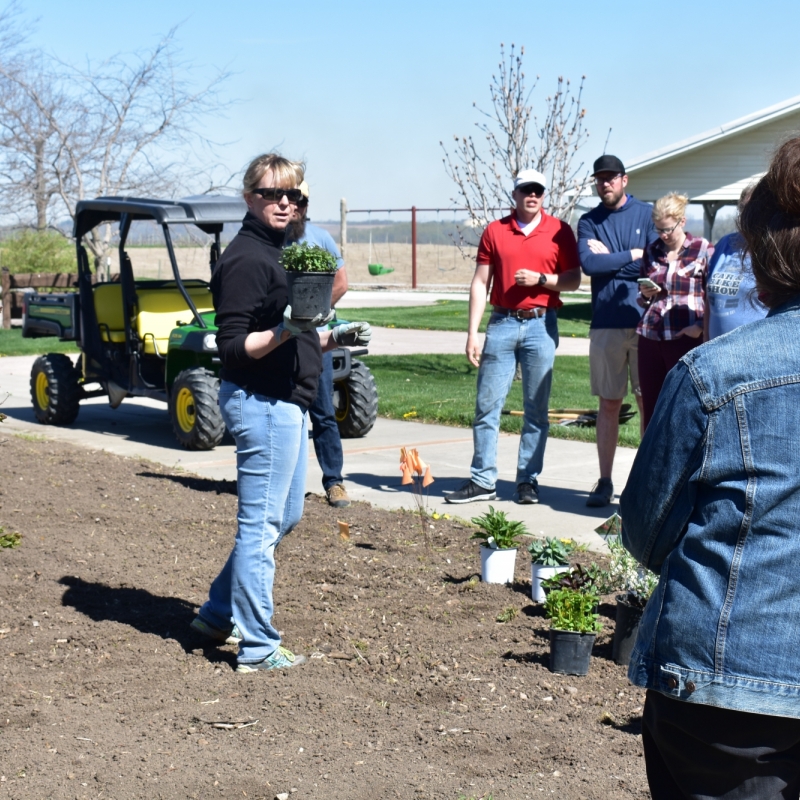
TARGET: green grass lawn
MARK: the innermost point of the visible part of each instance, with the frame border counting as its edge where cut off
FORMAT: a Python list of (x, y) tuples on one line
[(12, 344), (452, 315), (441, 388)]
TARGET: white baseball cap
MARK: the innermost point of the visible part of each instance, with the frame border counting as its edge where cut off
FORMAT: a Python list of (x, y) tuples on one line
[(529, 176)]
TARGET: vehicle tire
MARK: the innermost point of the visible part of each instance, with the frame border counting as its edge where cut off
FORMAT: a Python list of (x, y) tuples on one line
[(55, 389), (355, 400), (194, 409)]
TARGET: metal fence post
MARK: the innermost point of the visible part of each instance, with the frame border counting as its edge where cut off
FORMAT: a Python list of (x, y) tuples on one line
[(343, 227), (413, 247)]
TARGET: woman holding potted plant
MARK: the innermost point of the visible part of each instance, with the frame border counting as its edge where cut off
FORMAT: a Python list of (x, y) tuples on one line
[(270, 366), (712, 505)]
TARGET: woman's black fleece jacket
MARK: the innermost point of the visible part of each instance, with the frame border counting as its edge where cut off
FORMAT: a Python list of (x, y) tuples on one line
[(250, 294)]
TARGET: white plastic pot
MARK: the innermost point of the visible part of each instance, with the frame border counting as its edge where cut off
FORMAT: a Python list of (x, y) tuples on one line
[(540, 573), (497, 566)]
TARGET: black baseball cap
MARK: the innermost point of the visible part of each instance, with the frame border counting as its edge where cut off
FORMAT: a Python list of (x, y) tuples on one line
[(608, 164)]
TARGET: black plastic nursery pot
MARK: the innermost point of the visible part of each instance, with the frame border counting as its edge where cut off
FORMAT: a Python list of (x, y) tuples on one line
[(310, 293), (628, 618), (570, 652)]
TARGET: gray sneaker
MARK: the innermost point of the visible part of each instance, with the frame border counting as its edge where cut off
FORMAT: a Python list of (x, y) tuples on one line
[(602, 494), (282, 658)]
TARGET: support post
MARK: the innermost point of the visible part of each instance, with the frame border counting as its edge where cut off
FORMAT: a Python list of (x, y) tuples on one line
[(709, 215), (413, 247), (343, 227)]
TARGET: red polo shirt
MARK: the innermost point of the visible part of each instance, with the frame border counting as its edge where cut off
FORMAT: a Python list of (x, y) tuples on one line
[(550, 248)]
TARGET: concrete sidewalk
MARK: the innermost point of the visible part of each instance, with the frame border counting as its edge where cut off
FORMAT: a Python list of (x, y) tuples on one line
[(141, 428)]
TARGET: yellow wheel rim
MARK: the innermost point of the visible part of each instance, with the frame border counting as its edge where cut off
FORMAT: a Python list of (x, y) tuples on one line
[(42, 390), (185, 410), (344, 404)]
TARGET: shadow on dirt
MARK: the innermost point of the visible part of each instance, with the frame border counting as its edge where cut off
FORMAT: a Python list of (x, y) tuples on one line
[(196, 484), (528, 658), (165, 617), (633, 726)]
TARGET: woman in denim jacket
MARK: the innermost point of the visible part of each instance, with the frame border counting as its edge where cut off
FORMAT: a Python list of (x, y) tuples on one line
[(713, 506)]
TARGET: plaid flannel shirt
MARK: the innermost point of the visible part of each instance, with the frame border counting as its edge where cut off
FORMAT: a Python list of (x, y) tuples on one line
[(681, 300)]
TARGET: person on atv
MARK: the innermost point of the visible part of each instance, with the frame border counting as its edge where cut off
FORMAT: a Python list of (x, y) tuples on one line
[(270, 369)]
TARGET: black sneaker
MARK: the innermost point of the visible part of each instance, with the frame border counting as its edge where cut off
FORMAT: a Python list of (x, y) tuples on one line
[(602, 494), (469, 493), (527, 494)]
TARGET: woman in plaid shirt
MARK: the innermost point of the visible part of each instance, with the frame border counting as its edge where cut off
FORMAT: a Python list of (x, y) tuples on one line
[(672, 292)]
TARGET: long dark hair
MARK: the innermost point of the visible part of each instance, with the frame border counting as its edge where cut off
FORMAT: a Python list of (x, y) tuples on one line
[(770, 225)]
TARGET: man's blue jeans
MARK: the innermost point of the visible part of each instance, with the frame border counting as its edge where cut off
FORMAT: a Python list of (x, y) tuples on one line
[(532, 343), (324, 430), (271, 462)]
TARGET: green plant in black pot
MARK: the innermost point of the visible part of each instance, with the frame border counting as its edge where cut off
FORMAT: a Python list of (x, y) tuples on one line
[(573, 610), (497, 531), (307, 257), (310, 271)]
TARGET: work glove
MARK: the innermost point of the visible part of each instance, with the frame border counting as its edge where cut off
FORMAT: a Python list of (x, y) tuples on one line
[(352, 334), (298, 326)]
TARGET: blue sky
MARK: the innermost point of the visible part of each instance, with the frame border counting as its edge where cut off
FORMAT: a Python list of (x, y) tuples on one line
[(364, 92)]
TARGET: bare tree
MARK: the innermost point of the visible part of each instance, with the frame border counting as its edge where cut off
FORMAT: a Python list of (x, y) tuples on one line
[(131, 125), (515, 138)]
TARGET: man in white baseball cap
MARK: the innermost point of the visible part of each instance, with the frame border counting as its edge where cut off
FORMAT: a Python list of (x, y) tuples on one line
[(525, 259)]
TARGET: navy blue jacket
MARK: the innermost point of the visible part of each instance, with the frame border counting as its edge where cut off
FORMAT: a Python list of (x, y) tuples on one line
[(614, 287)]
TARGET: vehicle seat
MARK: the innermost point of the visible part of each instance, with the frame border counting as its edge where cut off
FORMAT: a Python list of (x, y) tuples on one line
[(108, 308), (162, 310)]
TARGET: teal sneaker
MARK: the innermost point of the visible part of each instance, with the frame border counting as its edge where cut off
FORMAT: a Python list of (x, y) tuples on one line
[(231, 636), (282, 658)]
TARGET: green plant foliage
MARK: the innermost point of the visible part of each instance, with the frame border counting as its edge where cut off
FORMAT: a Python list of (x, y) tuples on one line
[(9, 540), (498, 531), (507, 614), (625, 573), (38, 251), (569, 610), (578, 578), (551, 552), (307, 257)]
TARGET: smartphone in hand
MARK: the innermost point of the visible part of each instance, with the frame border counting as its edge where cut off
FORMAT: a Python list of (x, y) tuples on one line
[(647, 283)]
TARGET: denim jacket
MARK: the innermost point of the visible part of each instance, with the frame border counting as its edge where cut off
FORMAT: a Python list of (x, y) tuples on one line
[(713, 506)]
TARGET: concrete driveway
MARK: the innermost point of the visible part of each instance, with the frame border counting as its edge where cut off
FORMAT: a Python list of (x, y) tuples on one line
[(141, 428)]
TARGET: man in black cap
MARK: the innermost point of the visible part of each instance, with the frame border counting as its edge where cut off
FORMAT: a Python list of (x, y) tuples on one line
[(611, 241)]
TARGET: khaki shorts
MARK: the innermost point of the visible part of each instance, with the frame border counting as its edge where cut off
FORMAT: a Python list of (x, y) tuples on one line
[(613, 352)]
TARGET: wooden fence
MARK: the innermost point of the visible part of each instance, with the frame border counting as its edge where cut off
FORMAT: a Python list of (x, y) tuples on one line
[(12, 287)]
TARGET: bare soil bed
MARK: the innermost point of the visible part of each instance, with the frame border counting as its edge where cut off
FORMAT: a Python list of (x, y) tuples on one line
[(414, 689)]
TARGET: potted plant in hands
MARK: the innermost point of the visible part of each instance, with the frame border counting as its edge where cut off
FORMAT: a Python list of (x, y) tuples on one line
[(574, 623), (500, 537), (548, 557), (637, 584), (310, 271)]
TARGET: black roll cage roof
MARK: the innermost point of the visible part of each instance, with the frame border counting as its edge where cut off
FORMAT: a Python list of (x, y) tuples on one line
[(207, 212)]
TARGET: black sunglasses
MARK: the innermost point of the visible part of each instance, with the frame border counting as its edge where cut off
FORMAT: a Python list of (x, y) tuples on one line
[(277, 194), (531, 188)]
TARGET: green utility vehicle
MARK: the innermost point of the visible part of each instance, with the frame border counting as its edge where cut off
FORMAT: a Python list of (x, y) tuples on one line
[(156, 338)]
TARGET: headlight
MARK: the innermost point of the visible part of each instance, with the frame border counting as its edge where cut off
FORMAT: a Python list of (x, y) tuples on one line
[(210, 341)]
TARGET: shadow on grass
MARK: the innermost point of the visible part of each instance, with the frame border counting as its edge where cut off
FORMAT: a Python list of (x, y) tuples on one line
[(165, 617), (222, 486)]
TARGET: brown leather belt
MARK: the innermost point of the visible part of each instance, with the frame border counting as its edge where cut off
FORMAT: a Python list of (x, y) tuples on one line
[(521, 313)]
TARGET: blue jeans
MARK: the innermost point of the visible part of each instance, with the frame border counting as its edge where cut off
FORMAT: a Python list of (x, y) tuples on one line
[(324, 430), (532, 343), (271, 454)]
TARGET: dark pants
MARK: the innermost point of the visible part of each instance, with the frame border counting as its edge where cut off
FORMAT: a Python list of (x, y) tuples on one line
[(324, 430), (695, 752), (656, 359)]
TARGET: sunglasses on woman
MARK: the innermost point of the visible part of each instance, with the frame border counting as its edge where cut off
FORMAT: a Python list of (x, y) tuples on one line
[(277, 194)]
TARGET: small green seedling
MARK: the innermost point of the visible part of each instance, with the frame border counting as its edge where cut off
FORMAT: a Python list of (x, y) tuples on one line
[(9, 540), (507, 614)]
